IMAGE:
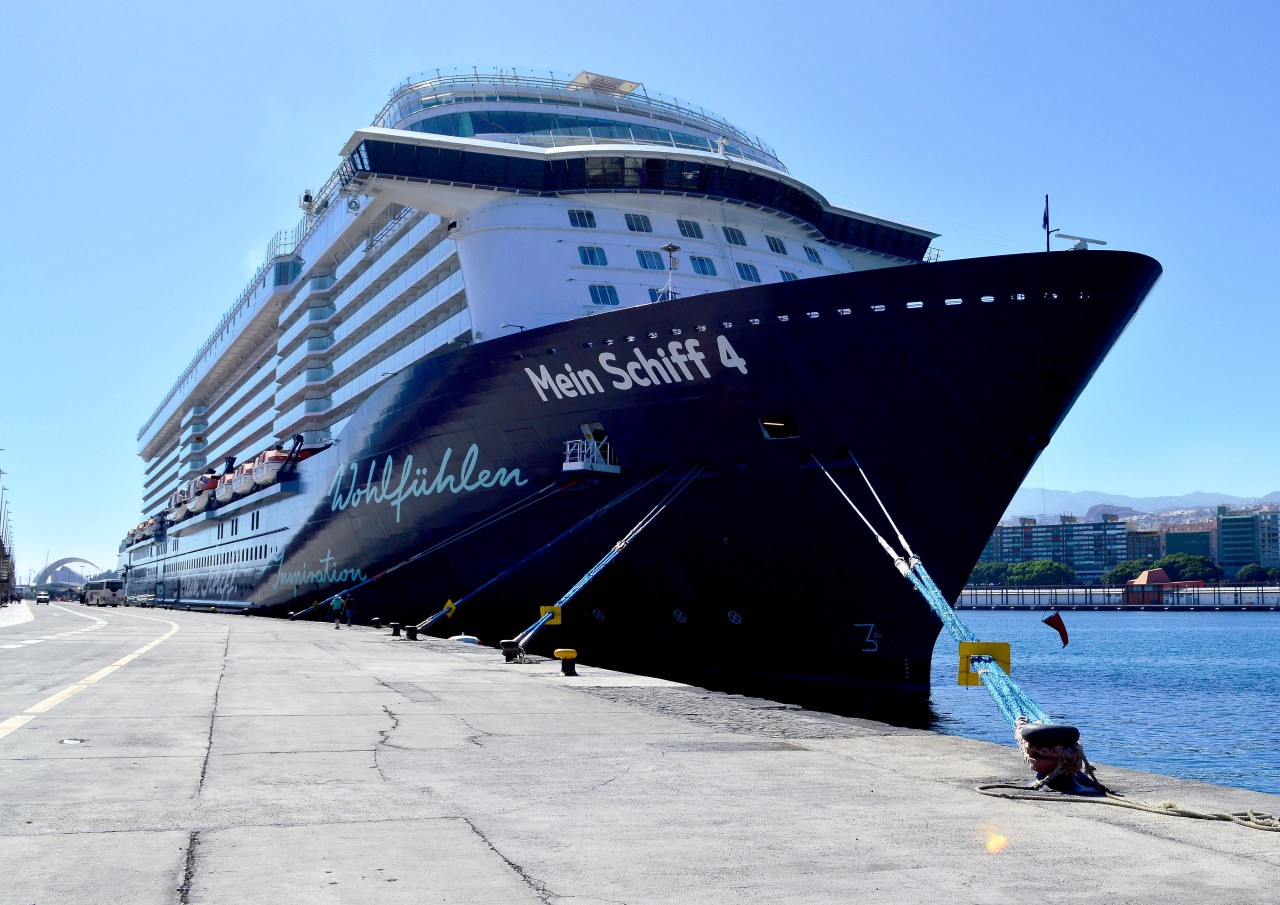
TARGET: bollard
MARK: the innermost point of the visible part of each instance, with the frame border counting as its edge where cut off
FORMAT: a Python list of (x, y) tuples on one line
[(376, 622), (291, 615), (411, 632), (395, 630), (510, 650), (568, 658)]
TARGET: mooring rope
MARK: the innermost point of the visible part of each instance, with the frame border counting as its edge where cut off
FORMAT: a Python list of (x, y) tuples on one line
[(445, 611), (1022, 713), (1254, 820), (513, 509), (527, 635)]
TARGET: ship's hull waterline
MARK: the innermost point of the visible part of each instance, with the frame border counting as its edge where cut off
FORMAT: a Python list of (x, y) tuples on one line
[(758, 576)]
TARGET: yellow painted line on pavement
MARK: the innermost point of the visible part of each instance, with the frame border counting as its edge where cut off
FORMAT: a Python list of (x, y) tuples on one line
[(17, 722)]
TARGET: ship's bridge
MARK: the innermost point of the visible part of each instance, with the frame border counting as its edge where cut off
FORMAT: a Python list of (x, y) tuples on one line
[(550, 110)]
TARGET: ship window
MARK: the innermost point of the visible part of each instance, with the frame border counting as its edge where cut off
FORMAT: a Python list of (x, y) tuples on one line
[(704, 266), (734, 236), (689, 229), (582, 219), (604, 295), (592, 255), (639, 223), (813, 254), (788, 276), (649, 260), (776, 244), (779, 427), (748, 272)]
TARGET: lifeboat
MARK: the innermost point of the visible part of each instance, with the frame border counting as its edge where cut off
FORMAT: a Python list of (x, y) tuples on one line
[(202, 489), (242, 484), (267, 466), (177, 509), (225, 492), (149, 528)]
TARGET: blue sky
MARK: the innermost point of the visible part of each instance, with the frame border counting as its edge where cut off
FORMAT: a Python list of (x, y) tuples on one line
[(152, 150)]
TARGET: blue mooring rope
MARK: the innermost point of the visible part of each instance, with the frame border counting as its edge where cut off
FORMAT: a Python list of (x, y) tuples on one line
[(527, 635), (1009, 698), (435, 617), (535, 497)]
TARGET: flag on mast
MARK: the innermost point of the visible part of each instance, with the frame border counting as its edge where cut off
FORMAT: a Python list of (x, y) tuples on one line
[(1046, 223)]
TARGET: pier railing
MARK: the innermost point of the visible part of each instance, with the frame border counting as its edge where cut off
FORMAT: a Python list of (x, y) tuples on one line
[(1152, 597)]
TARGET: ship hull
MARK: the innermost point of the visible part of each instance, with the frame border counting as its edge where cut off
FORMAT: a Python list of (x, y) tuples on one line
[(757, 576)]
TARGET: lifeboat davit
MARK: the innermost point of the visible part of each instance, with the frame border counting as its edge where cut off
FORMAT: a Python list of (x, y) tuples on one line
[(202, 489), (225, 492), (243, 481), (177, 505), (267, 466)]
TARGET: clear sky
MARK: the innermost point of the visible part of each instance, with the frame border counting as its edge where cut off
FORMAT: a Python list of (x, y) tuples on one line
[(151, 150)]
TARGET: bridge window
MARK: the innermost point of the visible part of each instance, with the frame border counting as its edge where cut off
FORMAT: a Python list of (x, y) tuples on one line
[(604, 294), (689, 229), (704, 266), (582, 219)]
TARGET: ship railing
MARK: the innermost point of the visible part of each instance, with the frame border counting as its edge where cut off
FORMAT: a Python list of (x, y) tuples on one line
[(283, 243), (565, 92), (568, 138), (589, 455)]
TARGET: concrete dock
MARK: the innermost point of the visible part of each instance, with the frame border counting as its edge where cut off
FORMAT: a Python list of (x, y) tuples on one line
[(149, 756)]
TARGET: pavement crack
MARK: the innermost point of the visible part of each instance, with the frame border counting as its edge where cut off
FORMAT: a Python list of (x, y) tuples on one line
[(384, 741), (213, 715), (539, 888), (189, 869), (601, 785), (479, 733)]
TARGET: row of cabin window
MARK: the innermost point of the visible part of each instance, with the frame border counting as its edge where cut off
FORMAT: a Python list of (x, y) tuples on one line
[(594, 256), (222, 558), (690, 229), (605, 294)]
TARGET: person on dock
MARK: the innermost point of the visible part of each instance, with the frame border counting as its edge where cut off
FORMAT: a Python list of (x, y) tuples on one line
[(339, 607)]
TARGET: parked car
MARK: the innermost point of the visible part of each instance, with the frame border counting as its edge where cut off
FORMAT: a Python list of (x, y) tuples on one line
[(42, 597)]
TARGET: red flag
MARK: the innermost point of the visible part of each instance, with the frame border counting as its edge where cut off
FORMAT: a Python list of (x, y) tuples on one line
[(1055, 621)]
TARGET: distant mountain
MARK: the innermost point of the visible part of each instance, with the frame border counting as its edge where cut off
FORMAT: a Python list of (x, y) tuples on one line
[(1033, 501)]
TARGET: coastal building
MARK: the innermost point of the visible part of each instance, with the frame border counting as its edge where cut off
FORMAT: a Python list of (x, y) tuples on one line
[(1089, 548), (1194, 542), (1142, 543), (1247, 537)]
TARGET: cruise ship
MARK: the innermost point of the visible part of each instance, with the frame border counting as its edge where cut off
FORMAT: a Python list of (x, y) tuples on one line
[(529, 314)]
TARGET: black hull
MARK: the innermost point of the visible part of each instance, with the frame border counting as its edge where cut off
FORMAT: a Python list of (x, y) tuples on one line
[(758, 577)]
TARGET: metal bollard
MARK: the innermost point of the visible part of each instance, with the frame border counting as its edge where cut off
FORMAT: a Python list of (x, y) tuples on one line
[(395, 630), (510, 650), (411, 632), (568, 658), (376, 622), (291, 615)]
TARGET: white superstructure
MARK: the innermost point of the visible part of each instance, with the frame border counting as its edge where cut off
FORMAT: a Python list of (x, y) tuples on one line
[(391, 265)]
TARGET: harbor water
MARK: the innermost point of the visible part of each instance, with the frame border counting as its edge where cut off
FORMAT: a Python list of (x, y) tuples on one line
[(1192, 694)]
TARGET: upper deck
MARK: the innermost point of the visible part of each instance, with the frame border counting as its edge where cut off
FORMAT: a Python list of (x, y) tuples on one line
[(548, 110)]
